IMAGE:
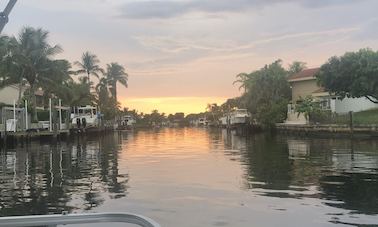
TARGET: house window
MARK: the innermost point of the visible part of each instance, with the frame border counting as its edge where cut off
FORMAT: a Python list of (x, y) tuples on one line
[(39, 101), (325, 104)]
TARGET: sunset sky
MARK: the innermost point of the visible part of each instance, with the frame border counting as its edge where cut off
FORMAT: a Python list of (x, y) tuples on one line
[(183, 54)]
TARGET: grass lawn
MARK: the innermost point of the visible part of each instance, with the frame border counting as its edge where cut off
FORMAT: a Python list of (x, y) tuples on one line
[(366, 117)]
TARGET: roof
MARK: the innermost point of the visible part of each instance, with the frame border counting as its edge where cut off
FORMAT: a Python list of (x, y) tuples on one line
[(39, 92), (307, 74), (320, 90)]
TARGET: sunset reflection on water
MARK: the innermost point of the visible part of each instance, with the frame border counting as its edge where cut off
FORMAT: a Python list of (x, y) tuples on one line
[(197, 177)]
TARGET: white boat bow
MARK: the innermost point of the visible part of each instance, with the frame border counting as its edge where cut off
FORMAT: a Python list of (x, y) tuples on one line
[(65, 219)]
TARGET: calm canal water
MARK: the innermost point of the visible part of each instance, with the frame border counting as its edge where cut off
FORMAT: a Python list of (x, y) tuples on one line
[(197, 177)]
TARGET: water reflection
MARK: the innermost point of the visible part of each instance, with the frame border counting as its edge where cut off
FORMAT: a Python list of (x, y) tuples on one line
[(40, 179), (220, 177), (341, 172)]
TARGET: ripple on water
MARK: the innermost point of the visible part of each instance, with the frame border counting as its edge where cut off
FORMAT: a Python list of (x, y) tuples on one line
[(220, 178)]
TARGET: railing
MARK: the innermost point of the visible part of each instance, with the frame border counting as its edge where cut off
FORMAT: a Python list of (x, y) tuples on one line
[(64, 219)]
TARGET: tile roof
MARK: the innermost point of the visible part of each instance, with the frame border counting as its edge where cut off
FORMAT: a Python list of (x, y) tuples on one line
[(307, 73)]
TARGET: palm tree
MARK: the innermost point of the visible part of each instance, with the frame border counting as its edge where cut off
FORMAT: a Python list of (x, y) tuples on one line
[(9, 72), (5, 50), (215, 111), (30, 59), (76, 94), (244, 79), (115, 73), (102, 90), (89, 65), (58, 84)]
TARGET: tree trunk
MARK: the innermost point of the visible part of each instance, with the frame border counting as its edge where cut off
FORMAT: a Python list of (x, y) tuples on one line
[(89, 79), (115, 93)]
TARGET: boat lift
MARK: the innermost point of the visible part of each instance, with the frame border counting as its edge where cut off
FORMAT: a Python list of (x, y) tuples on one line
[(72, 219)]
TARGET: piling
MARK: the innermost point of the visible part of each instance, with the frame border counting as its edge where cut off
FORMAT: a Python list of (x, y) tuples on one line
[(351, 126)]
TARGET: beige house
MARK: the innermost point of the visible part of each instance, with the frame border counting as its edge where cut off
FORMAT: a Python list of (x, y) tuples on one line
[(305, 84), (11, 93)]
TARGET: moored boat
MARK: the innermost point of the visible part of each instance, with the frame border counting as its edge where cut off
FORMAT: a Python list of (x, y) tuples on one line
[(126, 122), (85, 117), (236, 117)]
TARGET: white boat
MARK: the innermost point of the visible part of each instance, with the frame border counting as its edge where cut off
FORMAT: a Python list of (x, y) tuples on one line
[(203, 122), (126, 122), (64, 219), (224, 120), (239, 116), (85, 117), (236, 117)]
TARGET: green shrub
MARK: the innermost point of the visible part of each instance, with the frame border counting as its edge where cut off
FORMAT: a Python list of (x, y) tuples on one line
[(43, 115)]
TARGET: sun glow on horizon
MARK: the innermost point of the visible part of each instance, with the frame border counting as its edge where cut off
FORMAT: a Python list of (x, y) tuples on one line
[(171, 105)]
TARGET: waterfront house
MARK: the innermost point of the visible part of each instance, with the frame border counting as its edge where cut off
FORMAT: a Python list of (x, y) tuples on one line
[(305, 84), (18, 118), (11, 93)]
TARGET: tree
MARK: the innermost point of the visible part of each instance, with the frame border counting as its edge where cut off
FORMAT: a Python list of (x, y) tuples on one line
[(9, 72), (179, 116), (29, 58), (57, 79), (107, 105), (267, 93), (244, 79), (296, 67), (355, 74), (102, 92), (76, 94), (156, 118), (153, 119), (231, 104), (89, 65), (306, 106), (115, 73), (214, 111)]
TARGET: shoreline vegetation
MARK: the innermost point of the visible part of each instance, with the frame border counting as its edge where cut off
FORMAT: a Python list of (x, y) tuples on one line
[(28, 61), (266, 94)]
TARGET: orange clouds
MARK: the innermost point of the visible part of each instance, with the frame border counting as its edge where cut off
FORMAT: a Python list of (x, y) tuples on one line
[(171, 104)]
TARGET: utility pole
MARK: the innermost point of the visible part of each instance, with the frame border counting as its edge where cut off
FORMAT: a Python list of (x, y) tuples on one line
[(4, 16)]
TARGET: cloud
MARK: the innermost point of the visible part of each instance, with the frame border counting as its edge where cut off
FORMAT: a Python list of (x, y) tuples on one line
[(368, 31), (169, 9), (176, 45)]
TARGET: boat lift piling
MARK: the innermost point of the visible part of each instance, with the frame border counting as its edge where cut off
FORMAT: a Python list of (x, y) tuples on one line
[(26, 115), (15, 122)]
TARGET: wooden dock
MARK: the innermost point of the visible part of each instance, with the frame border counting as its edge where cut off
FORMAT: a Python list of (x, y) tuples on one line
[(23, 136), (35, 133)]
